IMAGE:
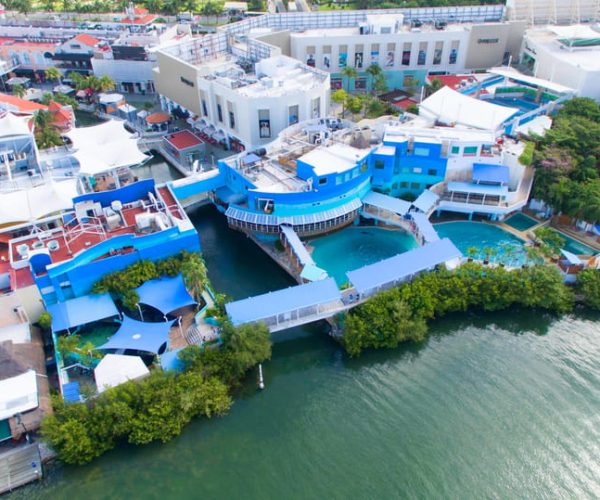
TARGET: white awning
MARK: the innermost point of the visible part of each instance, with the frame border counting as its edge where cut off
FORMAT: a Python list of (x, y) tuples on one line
[(12, 125), (453, 108), (18, 394), (105, 147), (27, 205), (532, 80), (115, 369)]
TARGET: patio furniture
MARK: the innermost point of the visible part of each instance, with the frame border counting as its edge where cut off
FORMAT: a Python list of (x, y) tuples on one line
[(53, 245), (37, 245), (23, 251)]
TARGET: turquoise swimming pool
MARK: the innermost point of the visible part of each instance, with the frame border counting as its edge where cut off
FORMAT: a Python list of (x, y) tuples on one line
[(521, 222), (575, 246), (509, 250), (353, 247)]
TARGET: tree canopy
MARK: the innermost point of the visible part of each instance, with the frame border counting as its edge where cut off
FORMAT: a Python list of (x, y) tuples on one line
[(567, 161)]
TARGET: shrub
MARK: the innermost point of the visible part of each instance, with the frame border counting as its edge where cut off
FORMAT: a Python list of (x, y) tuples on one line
[(526, 157), (588, 284), (45, 321)]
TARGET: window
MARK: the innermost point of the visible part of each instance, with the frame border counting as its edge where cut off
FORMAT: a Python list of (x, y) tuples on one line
[(422, 58), (404, 184), (385, 30), (264, 123), (220, 112), (437, 53), (315, 107), (488, 40), (379, 164), (417, 170), (431, 171), (187, 82), (336, 83), (415, 185), (470, 151), (406, 58), (358, 56), (293, 114), (360, 83), (455, 150), (453, 52), (421, 152), (322, 181), (204, 109), (231, 120)]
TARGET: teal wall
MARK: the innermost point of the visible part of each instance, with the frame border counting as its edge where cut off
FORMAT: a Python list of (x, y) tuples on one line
[(394, 79)]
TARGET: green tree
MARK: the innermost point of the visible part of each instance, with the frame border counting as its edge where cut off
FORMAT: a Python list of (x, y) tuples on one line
[(354, 104), (380, 84), (250, 344), (435, 85), (339, 97), (374, 70), (350, 73), (588, 285), (53, 74), (18, 90), (104, 84)]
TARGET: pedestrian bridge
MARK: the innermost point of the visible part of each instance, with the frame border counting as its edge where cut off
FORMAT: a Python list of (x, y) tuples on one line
[(302, 304)]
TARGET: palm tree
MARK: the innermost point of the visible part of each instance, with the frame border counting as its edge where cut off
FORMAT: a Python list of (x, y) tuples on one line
[(106, 83), (472, 252), (435, 85), (18, 90), (53, 74), (374, 70), (350, 73)]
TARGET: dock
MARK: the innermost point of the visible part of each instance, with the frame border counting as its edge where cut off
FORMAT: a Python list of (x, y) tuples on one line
[(19, 467)]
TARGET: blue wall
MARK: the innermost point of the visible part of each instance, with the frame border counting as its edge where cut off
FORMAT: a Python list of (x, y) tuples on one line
[(82, 271), (198, 187), (127, 194)]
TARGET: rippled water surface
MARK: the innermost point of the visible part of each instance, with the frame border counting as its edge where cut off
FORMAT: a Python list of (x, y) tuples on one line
[(491, 406)]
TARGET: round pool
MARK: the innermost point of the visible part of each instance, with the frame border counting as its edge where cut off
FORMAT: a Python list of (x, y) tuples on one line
[(354, 247), (507, 248)]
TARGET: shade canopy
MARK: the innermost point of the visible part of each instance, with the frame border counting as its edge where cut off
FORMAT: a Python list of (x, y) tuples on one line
[(481, 189), (105, 147), (165, 294), (27, 205), (283, 301), (453, 108), (139, 336), (369, 279), (388, 203), (425, 227), (81, 310), (115, 369), (571, 258), (13, 125), (493, 174), (426, 200)]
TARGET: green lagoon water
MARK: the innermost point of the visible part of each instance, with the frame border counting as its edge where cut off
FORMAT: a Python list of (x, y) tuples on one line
[(491, 406)]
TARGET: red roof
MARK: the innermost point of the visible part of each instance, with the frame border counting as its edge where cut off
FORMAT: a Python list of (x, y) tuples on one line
[(14, 103), (452, 81), (87, 39), (61, 116), (147, 19), (404, 103), (157, 118), (183, 140)]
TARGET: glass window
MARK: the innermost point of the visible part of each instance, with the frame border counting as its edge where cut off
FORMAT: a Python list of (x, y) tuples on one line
[(421, 58), (455, 150), (204, 108), (406, 58), (470, 151), (417, 170), (322, 181), (231, 120), (379, 164), (360, 83), (437, 53), (421, 152), (264, 123), (219, 112), (336, 83), (404, 184), (432, 171), (415, 185), (293, 114)]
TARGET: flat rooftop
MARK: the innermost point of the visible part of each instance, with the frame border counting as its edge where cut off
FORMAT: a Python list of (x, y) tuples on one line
[(549, 38)]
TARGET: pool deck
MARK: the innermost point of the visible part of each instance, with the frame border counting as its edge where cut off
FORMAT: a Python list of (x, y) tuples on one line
[(579, 236)]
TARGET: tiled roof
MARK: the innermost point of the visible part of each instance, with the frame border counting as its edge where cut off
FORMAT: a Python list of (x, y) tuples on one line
[(87, 39), (183, 140), (147, 19), (14, 103)]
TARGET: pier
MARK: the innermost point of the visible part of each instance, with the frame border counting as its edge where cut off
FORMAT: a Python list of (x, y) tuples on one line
[(20, 466)]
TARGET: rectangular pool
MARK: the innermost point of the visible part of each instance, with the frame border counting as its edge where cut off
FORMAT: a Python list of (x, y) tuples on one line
[(576, 247), (521, 222)]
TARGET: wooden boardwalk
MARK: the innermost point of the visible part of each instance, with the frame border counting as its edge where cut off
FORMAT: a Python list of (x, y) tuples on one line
[(19, 466)]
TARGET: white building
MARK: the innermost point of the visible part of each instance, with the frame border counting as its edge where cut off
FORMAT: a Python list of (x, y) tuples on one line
[(567, 55), (241, 106)]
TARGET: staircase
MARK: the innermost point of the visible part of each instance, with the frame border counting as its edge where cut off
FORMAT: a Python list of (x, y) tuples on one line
[(19, 466), (193, 335)]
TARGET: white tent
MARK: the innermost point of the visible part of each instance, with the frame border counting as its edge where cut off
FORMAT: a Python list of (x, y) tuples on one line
[(18, 394), (453, 108), (12, 125), (28, 205), (105, 147), (115, 369)]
